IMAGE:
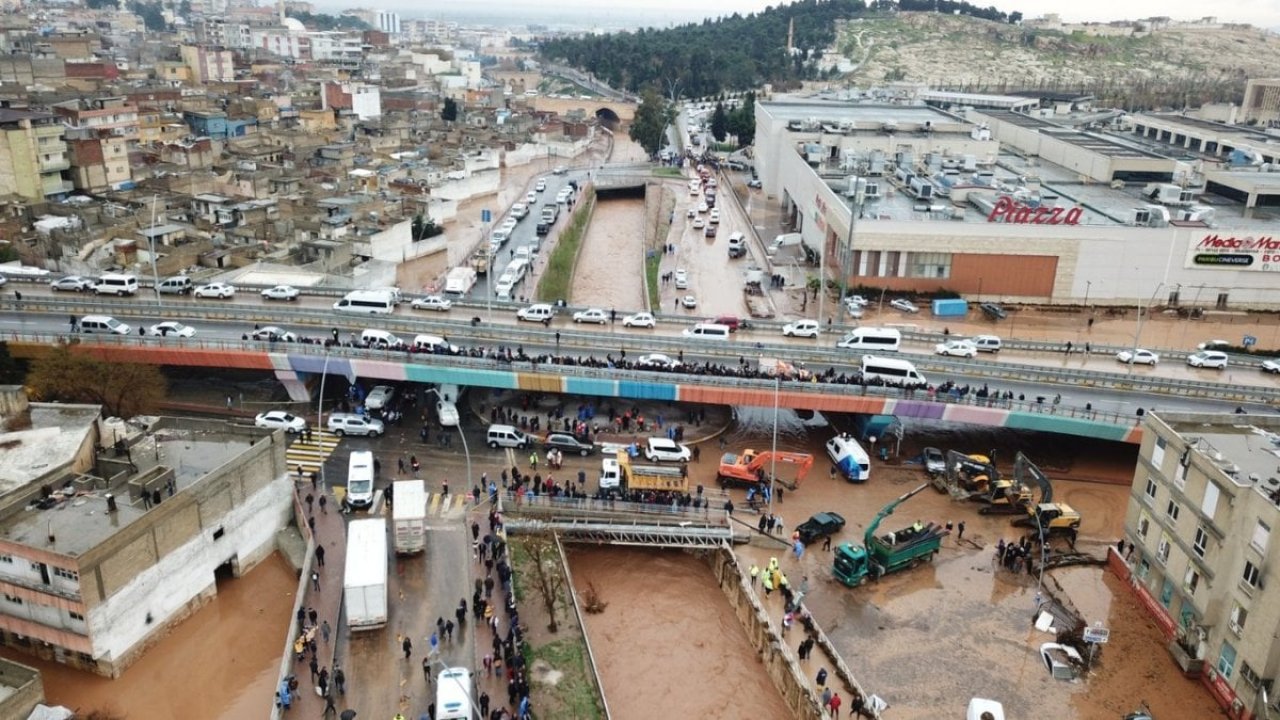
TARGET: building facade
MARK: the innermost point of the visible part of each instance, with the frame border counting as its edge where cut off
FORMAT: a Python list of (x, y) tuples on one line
[(33, 155), (1261, 102)]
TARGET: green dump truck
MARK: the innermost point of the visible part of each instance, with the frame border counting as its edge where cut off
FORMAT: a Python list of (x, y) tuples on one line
[(890, 552)]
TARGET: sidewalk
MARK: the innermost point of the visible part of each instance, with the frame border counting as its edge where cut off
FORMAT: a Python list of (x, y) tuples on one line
[(331, 533)]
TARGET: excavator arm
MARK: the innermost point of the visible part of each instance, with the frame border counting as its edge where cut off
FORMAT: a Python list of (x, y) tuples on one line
[(885, 512), (802, 461)]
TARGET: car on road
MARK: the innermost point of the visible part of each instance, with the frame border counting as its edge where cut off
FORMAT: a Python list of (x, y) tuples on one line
[(682, 279), (643, 319), (280, 420), (218, 290), (714, 217), (820, 525), (531, 197), (657, 360), (73, 283), (564, 442), (663, 450), (956, 348), (993, 311), (1138, 357), (171, 328), (710, 231), (1208, 359), (1270, 366), (935, 463), (560, 170), (540, 312), (519, 211), (431, 302), (271, 333), (702, 207), (693, 212), (447, 412), (591, 315), (802, 328), (698, 223), (904, 305), (509, 224), (540, 186), (1213, 345), (755, 183), (379, 396), (737, 245), (689, 301), (281, 292), (348, 424)]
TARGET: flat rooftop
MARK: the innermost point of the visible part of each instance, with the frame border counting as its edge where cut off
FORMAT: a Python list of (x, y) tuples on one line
[(1249, 451), (1101, 144), (56, 433), (845, 111), (1208, 126)]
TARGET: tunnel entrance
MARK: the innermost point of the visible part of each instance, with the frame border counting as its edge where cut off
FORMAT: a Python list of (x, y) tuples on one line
[(608, 118)]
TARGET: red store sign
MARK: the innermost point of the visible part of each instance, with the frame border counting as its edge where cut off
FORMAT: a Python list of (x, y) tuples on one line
[(1008, 211)]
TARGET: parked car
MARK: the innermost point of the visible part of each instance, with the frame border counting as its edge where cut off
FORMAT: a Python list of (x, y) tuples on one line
[(820, 525), (280, 420), (565, 442), (904, 305), (1138, 357), (560, 170), (689, 301), (281, 292), (431, 302), (755, 183), (379, 396), (591, 315), (802, 328), (664, 450), (1213, 345), (855, 301), (956, 348), (935, 463), (1270, 366), (171, 327), (73, 283), (218, 290), (993, 311), (272, 333), (1208, 359), (644, 320), (657, 360), (682, 277)]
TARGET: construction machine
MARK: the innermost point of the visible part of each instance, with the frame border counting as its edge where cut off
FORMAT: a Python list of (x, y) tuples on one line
[(1053, 518), (888, 553), (751, 467), (966, 475)]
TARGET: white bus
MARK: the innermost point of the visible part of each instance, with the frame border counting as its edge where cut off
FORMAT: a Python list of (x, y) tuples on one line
[(872, 338), (891, 371), (367, 302)]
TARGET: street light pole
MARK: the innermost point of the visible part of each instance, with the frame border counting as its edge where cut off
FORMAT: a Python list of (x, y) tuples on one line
[(1137, 333), (846, 252), (773, 467), (324, 373), (155, 274), (465, 450)]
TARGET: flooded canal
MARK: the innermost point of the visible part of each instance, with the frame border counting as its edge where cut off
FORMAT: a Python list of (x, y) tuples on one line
[(610, 269)]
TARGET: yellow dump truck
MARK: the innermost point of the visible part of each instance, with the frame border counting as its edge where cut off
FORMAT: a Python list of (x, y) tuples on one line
[(670, 478)]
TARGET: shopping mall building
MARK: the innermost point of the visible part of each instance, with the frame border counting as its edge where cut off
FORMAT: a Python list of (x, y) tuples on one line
[(1000, 202)]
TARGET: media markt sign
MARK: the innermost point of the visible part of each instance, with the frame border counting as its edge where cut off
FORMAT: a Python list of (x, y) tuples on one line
[(1235, 252)]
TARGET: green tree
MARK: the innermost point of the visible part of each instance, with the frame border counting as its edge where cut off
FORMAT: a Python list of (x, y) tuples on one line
[(719, 123), (424, 227), (650, 121), (122, 389), (742, 122), (450, 111), (152, 14), (10, 369)]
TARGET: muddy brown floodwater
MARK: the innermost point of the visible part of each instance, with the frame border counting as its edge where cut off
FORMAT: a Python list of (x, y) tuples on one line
[(669, 645), (610, 270), (219, 664)]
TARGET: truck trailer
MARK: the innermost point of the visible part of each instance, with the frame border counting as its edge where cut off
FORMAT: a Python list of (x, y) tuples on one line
[(550, 213), (364, 591), (409, 516), (880, 555), (652, 477), (459, 281)]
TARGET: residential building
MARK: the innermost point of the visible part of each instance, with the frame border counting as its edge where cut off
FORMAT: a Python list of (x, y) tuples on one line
[(115, 114), (33, 155), (364, 100), (99, 160), (1204, 503), (388, 22), (209, 64)]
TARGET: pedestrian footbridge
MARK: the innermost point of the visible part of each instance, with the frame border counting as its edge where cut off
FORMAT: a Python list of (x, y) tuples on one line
[(622, 523)]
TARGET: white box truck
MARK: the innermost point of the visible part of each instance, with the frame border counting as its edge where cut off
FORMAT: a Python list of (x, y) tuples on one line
[(409, 516), (459, 281), (365, 587)]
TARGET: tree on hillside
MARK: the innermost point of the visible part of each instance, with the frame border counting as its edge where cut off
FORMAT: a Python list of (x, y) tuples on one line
[(650, 121), (122, 389), (719, 123), (742, 122)]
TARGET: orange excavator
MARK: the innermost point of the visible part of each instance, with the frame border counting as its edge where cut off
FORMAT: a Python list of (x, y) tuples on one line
[(751, 467)]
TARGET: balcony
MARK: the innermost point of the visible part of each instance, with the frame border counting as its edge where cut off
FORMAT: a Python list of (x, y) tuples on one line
[(58, 186), (54, 165)]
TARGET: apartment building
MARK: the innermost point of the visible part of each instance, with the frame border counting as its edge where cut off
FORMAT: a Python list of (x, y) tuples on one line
[(114, 114), (33, 155), (99, 160), (1204, 503), (209, 64), (1261, 102)]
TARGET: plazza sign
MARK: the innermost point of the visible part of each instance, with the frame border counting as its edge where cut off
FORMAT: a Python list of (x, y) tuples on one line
[(1235, 252)]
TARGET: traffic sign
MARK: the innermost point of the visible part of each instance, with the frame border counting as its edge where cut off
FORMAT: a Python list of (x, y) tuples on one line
[(486, 216), (1098, 635), (1250, 341)]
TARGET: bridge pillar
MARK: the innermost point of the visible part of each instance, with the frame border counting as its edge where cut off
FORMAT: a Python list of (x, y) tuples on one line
[(295, 385)]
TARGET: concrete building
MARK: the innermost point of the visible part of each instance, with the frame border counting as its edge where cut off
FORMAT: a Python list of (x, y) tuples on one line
[(99, 160), (362, 99), (209, 64), (1261, 102), (111, 534), (1004, 206), (1204, 502), (33, 155), (114, 114), (388, 22)]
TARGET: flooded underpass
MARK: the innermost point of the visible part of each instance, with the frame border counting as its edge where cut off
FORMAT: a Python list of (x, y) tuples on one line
[(610, 269)]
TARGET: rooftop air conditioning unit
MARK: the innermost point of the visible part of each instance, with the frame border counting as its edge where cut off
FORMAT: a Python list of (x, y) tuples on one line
[(1140, 217)]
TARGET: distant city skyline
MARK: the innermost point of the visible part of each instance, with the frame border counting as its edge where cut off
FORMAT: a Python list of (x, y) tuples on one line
[(632, 13)]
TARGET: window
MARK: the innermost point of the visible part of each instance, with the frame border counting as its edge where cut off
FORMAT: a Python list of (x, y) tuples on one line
[(1209, 505), (1172, 510), (1162, 552), (1202, 541), (1239, 616), (1261, 535), (1227, 660), (1252, 575), (1191, 581), (13, 599), (1151, 490), (1249, 676), (66, 574), (75, 615), (1180, 476), (1157, 452), (6, 559), (1144, 569), (1144, 524), (929, 265)]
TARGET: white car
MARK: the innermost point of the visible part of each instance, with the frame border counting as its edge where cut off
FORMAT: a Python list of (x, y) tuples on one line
[(644, 320), (682, 279), (1270, 366), (689, 301), (541, 312), (714, 217), (447, 412), (531, 197), (170, 327), (591, 315), (664, 450), (1139, 357), (956, 348), (560, 170), (702, 207), (379, 396), (280, 292), (802, 328), (72, 283), (431, 302), (280, 420), (698, 222), (856, 301), (1208, 359), (904, 305), (272, 333), (222, 291), (509, 224), (540, 185), (854, 311), (657, 360)]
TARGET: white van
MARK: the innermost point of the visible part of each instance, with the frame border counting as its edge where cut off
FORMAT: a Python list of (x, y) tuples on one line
[(849, 457), (506, 436), (708, 331), (987, 343), (499, 237), (360, 479), (116, 284), (518, 267), (367, 302), (103, 324), (176, 285), (610, 473), (872, 338), (453, 694), (540, 312), (433, 344), (380, 339), (505, 285), (891, 371)]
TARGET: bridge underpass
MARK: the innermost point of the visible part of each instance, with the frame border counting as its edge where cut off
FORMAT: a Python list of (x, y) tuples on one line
[(302, 362)]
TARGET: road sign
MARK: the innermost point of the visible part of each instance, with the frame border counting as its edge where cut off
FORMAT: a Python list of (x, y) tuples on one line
[(1098, 635), (1250, 341), (486, 216)]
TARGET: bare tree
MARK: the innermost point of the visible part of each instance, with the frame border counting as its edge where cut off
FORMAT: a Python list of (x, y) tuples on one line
[(547, 573)]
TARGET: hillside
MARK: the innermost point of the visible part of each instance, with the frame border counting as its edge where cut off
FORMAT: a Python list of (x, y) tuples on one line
[(974, 54)]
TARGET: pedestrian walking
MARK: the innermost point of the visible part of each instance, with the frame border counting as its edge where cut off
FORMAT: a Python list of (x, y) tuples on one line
[(426, 669), (835, 705), (339, 680), (755, 572), (320, 555), (315, 669), (315, 580), (799, 549), (312, 615), (448, 631), (826, 543), (484, 704), (229, 403), (407, 644), (960, 531), (324, 504), (435, 644), (328, 704), (324, 631), (821, 679), (74, 323), (400, 462), (310, 500), (324, 681), (311, 524)]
